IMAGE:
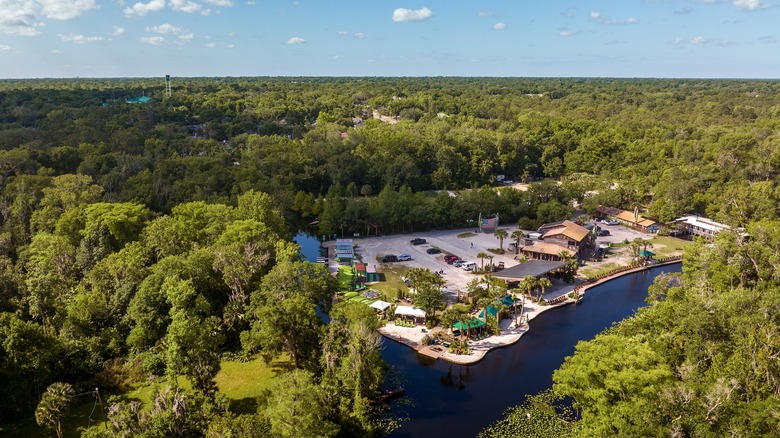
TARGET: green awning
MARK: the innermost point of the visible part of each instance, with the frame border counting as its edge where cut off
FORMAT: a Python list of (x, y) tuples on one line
[(492, 311), (646, 254), (508, 300), (474, 323)]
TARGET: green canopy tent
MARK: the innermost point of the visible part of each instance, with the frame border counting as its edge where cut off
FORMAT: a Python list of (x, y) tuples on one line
[(474, 323), (508, 300), (646, 254), (492, 311)]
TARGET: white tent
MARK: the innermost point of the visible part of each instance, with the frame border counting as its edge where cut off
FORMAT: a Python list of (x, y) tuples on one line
[(410, 311), (380, 305)]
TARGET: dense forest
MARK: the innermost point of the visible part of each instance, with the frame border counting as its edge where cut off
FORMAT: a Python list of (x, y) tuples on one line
[(153, 239)]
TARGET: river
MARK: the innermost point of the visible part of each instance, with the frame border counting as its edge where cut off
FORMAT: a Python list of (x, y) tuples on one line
[(460, 400)]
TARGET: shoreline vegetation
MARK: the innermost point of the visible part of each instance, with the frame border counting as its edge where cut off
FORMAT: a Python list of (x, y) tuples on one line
[(511, 332)]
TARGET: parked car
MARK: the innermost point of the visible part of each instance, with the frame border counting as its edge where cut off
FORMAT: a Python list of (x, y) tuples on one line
[(603, 232), (433, 250), (417, 241), (468, 266), (450, 259), (387, 258), (404, 258), (610, 222), (458, 262)]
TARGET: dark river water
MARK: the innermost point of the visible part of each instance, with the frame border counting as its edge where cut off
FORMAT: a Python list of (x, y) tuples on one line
[(460, 400)]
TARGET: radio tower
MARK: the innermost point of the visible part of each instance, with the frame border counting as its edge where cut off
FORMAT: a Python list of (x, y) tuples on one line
[(168, 85)]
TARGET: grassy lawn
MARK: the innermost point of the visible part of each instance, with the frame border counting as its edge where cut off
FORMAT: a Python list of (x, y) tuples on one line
[(592, 270), (665, 246), (392, 274), (241, 382), (619, 255), (345, 278)]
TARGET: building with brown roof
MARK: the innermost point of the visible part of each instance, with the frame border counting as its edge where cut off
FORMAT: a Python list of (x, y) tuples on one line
[(566, 237)]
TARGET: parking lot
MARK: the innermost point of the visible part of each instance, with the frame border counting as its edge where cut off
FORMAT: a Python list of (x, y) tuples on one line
[(370, 250)]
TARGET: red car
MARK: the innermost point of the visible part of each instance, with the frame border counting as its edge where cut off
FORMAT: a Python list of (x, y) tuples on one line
[(450, 259)]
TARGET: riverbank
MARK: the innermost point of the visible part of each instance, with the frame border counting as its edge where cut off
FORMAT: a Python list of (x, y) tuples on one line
[(512, 330)]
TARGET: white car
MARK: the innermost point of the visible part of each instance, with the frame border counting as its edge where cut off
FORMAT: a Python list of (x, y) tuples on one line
[(610, 222), (468, 266), (404, 258)]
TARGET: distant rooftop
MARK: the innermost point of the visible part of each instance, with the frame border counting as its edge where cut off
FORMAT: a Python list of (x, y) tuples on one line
[(140, 99)]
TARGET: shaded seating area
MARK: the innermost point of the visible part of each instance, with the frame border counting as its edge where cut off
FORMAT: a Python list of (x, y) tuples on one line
[(475, 328), (380, 306), (407, 316)]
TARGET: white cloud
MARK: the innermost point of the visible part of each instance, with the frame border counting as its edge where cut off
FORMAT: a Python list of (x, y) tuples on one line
[(601, 19), (223, 3), (55, 52), (23, 17), (184, 6), (142, 9), (153, 40), (485, 14), (187, 37), (80, 39), (118, 31), (402, 14), (211, 45), (19, 17), (3, 47), (767, 39), (65, 9), (296, 40), (359, 35), (701, 41), (749, 5), (166, 28), (343, 33), (230, 46), (564, 33), (499, 26)]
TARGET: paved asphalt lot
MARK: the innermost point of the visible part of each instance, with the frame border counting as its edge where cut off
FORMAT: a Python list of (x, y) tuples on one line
[(370, 250)]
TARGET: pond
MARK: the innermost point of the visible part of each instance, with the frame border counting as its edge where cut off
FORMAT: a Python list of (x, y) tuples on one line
[(458, 401)]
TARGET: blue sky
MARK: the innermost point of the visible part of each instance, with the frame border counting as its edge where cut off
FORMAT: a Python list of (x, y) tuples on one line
[(618, 38)]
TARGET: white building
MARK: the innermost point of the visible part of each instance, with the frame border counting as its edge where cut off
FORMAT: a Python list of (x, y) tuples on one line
[(699, 226), (344, 249)]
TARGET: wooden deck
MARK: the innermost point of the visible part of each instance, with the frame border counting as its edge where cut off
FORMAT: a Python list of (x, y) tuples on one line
[(432, 351)]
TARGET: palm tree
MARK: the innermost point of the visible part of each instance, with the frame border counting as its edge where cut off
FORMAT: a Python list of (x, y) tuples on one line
[(501, 234), (570, 268), (542, 283), (517, 235), (484, 303), (54, 406), (490, 258), (482, 256), (449, 317), (527, 284), (636, 244), (465, 322), (645, 244)]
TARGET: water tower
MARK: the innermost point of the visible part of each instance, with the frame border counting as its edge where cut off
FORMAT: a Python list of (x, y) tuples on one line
[(168, 85)]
